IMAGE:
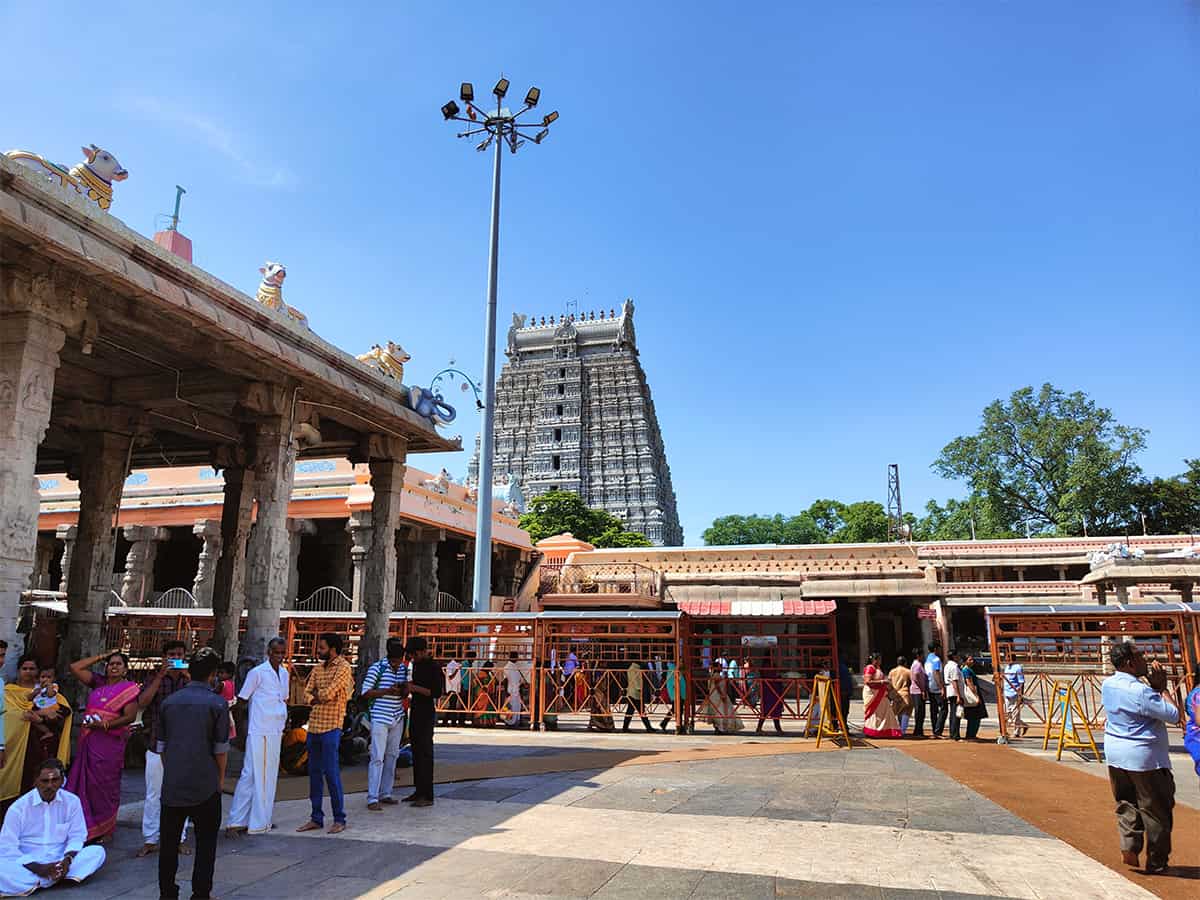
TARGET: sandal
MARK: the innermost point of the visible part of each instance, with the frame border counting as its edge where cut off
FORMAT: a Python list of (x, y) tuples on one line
[(310, 825)]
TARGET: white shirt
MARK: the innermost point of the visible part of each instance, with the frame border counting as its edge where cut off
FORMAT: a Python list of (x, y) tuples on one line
[(267, 692), (39, 832), (453, 676), (953, 678), (512, 674)]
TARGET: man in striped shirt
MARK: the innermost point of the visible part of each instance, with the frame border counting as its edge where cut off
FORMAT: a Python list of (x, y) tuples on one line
[(383, 687)]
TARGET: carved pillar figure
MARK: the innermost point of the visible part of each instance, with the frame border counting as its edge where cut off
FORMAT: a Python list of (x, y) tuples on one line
[(268, 552), (209, 532), (229, 579), (297, 529), (359, 526), (379, 587), (1062, 573), (102, 470), (29, 348), (137, 587), (66, 534)]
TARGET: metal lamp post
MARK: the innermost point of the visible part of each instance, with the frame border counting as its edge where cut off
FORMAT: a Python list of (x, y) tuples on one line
[(497, 129)]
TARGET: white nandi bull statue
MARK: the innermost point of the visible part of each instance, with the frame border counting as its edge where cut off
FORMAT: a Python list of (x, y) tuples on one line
[(270, 291), (93, 177), (389, 360)]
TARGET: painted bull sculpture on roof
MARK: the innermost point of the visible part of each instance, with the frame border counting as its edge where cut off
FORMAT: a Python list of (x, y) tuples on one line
[(93, 177)]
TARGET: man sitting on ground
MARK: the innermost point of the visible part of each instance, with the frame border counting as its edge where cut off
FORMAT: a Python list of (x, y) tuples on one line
[(42, 839)]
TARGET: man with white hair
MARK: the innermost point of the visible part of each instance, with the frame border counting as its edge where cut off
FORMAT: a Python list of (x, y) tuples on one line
[(41, 843), (266, 690)]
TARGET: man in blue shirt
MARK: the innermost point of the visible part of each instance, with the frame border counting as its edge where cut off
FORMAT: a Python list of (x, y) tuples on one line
[(937, 697), (1138, 755), (383, 688), (1014, 698)]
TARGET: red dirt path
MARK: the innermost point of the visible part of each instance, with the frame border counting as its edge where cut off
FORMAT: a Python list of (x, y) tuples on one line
[(1073, 806)]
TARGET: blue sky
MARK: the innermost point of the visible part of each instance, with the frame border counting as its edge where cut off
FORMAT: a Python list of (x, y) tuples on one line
[(847, 227)]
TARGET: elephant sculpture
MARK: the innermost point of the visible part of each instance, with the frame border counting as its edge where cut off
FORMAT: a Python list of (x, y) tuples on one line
[(433, 407)]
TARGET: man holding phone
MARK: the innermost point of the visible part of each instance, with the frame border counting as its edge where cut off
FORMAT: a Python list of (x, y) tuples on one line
[(170, 677), (384, 688)]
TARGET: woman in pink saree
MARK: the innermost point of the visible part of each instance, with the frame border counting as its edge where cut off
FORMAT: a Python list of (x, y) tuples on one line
[(878, 719), (100, 756)]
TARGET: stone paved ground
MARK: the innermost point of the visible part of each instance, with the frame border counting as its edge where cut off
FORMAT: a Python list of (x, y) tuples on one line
[(800, 824)]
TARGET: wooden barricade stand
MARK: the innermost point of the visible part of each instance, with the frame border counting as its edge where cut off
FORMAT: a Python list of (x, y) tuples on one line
[(1065, 701), (829, 723)]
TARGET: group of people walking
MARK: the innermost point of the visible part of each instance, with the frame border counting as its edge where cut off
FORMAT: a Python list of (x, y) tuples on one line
[(921, 689)]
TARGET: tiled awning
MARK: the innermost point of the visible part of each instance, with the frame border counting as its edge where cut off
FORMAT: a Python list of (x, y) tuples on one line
[(758, 607)]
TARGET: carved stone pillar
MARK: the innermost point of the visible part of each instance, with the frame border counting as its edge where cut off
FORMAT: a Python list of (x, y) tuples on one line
[(1062, 573), (297, 529), (66, 534), (379, 587), (335, 546), (44, 553), (29, 348), (269, 549), (209, 532), (229, 580), (102, 470), (421, 585), (137, 587), (359, 526), (864, 632), (1122, 593)]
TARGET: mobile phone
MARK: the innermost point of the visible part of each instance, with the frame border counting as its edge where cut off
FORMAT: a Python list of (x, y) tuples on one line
[(179, 664)]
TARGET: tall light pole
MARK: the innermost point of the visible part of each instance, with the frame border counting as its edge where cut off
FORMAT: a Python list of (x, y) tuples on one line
[(498, 129)]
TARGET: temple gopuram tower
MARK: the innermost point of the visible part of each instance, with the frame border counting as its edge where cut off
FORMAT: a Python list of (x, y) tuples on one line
[(573, 413)]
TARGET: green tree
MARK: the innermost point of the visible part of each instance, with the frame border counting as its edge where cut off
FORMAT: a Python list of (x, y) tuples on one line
[(826, 521), (961, 520), (777, 529), (1050, 461), (616, 536), (1169, 505), (864, 522), (556, 512)]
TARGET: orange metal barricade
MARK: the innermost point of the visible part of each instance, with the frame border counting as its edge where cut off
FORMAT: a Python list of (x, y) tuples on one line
[(595, 667), (756, 667), (482, 645), (1070, 645)]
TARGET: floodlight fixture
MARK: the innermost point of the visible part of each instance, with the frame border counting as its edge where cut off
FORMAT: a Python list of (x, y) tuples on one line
[(499, 127)]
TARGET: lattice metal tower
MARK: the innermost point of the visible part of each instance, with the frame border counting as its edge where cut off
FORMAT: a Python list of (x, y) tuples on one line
[(898, 529), (574, 413)]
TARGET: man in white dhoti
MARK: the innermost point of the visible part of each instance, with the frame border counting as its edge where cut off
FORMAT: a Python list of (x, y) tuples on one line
[(42, 840), (266, 690)]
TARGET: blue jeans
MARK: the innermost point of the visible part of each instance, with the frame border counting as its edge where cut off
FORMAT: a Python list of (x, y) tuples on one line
[(323, 764)]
